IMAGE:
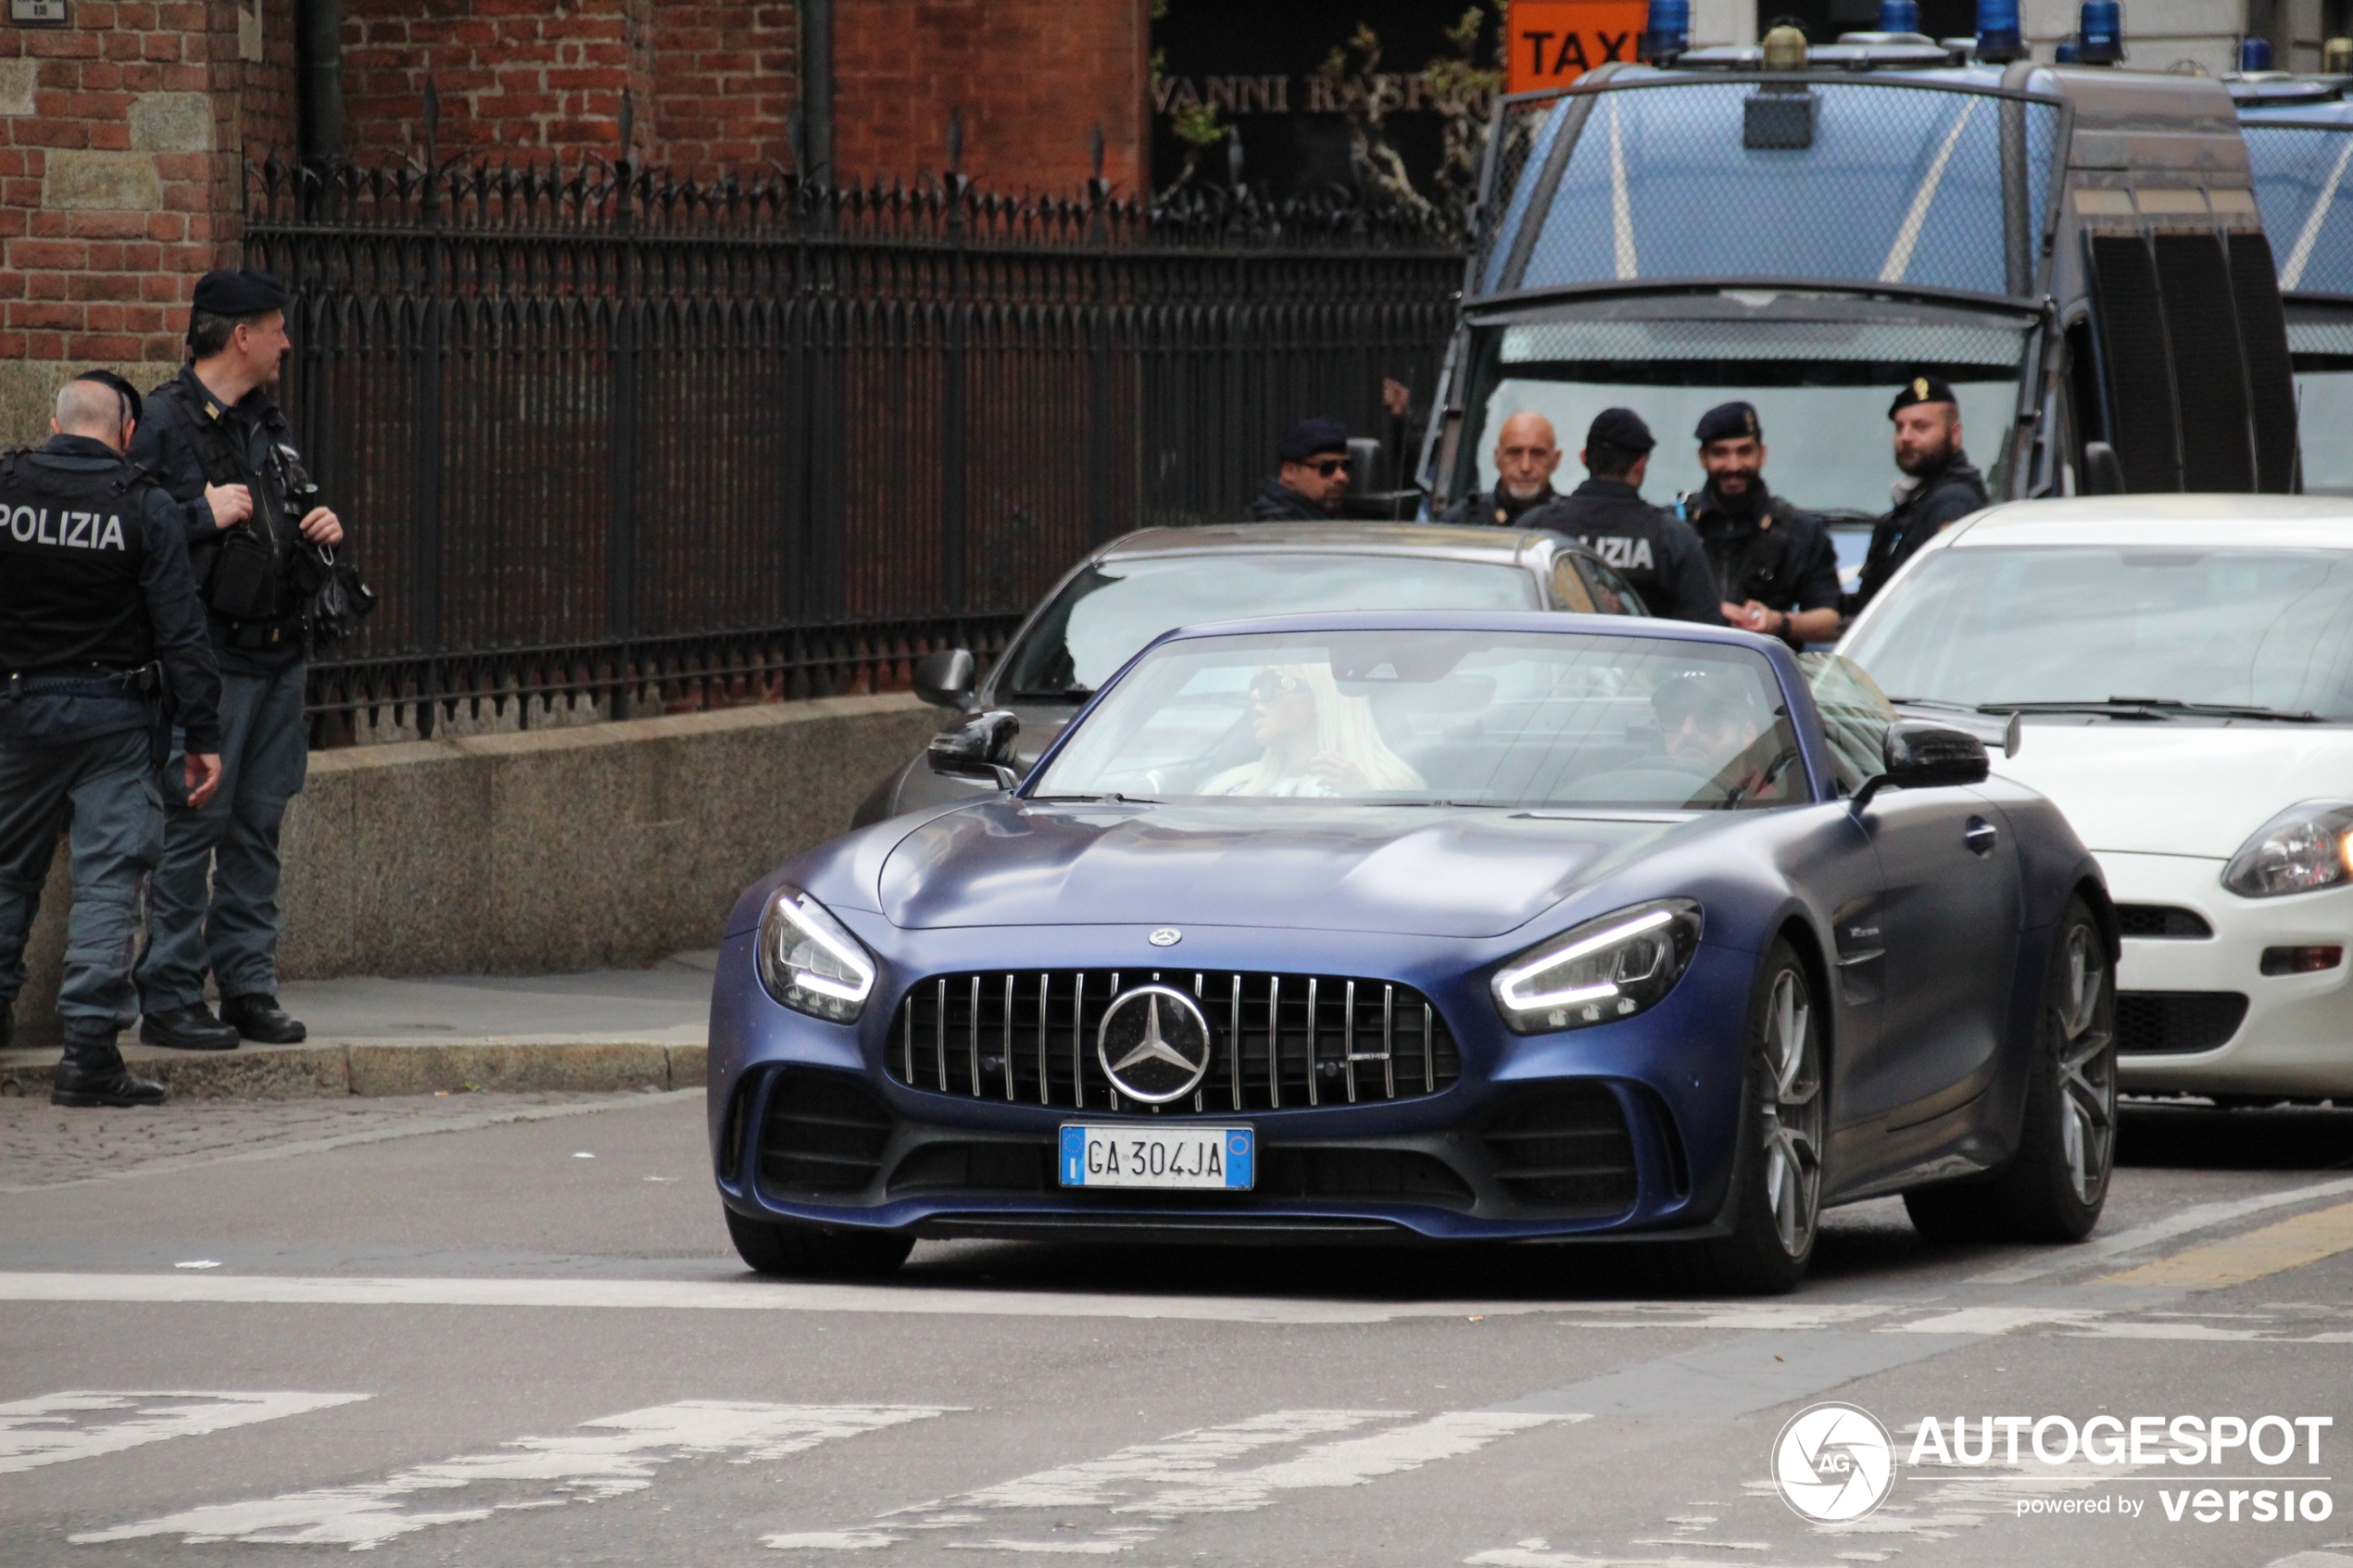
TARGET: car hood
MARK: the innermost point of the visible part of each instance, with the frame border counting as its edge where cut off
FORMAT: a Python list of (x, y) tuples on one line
[(2179, 788), (1429, 871)]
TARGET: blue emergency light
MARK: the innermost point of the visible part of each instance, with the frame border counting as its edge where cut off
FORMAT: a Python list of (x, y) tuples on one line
[(1899, 15), (2255, 54), (1999, 38), (1670, 29), (2100, 39)]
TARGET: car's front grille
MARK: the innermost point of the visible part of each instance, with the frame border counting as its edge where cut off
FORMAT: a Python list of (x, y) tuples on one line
[(2159, 1023), (1277, 1042), (824, 1133), (2160, 919), (1566, 1150)]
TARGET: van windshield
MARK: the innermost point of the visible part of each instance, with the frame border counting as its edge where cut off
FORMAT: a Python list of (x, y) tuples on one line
[(1822, 388)]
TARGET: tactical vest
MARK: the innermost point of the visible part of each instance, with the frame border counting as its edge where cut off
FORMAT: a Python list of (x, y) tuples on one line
[(70, 554), (220, 452)]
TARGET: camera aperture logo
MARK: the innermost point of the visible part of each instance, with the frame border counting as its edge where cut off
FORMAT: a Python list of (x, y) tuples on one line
[(1835, 1463)]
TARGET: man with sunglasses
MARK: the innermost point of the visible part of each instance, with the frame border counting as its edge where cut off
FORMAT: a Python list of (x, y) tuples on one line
[(1313, 478)]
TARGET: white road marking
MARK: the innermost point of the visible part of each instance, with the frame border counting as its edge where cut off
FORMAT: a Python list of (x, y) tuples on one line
[(78, 1423), (1189, 1474), (601, 1459), (1992, 1320), (2202, 1216)]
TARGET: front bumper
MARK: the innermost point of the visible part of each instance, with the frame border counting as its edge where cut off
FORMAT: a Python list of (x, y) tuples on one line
[(1659, 1092), (2296, 1036)]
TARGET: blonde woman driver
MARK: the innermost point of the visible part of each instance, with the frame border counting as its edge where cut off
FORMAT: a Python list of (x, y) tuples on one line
[(1318, 742)]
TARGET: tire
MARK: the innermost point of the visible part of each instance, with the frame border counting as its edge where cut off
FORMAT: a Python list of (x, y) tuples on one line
[(794, 1253), (1776, 1199), (2052, 1189)]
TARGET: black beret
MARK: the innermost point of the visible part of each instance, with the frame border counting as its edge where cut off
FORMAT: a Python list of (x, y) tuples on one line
[(129, 393), (1922, 389), (239, 291), (1729, 422), (1621, 428), (1311, 437)]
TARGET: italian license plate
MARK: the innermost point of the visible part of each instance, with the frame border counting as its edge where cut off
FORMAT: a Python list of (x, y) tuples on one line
[(1125, 1155)]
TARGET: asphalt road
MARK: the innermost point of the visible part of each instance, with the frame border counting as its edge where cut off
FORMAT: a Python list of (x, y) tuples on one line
[(510, 1331)]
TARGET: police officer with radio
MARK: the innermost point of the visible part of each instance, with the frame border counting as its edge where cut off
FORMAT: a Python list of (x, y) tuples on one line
[(100, 626), (1938, 489), (1776, 567), (217, 441), (1654, 550)]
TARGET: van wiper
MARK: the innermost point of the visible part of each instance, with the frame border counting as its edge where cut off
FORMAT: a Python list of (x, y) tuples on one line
[(1093, 799), (2157, 707), (1059, 694)]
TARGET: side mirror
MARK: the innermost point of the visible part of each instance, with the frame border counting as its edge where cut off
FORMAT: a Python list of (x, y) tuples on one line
[(1919, 754), (944, 679), (2103, 470), (981, 747)]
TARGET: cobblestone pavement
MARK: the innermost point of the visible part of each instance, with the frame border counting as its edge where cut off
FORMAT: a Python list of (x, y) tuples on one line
[(42, 1144)]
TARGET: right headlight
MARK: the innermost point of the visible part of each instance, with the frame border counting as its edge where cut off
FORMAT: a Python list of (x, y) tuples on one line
[(2303, 850), (810, 961), (1600, 971)]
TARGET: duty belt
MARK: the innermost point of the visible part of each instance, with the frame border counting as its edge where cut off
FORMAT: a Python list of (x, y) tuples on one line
[(249, 636)]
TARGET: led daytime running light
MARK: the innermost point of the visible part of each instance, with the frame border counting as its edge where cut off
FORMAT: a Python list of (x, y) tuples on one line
[(1513, 981), (810, 961)]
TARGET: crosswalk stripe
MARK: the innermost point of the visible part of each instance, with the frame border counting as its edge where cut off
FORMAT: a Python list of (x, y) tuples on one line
[(1138, 1491), (2182, 1221), (2290, 1244), (604, 1457), (79, 1423)]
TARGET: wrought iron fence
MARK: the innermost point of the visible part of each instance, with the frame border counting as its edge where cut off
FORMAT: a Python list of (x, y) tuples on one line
[(605, 436)]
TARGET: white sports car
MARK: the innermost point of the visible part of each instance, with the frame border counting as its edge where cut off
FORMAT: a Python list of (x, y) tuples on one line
[(2176, 671)]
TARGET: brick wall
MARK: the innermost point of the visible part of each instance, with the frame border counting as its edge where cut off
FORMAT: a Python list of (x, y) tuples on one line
[(117, 189), (726, 74), (513, 75), (1032, 77)]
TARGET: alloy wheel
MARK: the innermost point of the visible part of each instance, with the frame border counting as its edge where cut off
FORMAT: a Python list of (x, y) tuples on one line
[(2086, 1067), (1790, 1100)]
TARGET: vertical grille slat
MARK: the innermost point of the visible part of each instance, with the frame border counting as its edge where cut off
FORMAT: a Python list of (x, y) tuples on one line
[(961, 1034)]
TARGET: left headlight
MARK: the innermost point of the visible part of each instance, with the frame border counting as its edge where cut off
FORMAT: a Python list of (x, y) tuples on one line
[(2301, 851), (1600, 971), (810, 961)]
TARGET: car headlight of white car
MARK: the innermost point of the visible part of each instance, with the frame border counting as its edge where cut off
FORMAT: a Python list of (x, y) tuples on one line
[(1600, 971), (810, 961), (2303, 850)]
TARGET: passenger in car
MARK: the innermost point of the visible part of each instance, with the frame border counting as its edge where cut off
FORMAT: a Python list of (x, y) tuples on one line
[(1317, 741), (1712, 728)]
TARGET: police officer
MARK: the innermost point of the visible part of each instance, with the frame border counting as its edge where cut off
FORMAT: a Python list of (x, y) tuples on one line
[(215, 439), (1654, 550), (93, 590), (1776, 567), (1314, 477), (1937, 487), (1526, 455)]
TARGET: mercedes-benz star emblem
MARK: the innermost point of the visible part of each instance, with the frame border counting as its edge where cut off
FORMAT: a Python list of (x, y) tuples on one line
[(1167, 937), (1154, 1045)]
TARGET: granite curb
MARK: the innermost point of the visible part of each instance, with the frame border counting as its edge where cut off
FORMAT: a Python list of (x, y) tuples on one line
[(330, 1068)]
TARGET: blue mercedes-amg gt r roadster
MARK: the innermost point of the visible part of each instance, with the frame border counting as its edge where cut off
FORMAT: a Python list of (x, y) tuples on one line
[(1440, 926)]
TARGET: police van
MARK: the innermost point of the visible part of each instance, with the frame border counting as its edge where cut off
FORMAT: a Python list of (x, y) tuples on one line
[(2078, 250), (2300, 143)]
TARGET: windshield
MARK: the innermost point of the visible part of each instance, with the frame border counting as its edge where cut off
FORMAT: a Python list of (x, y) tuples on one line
[(2270, 629), (2322, 346), (1821, 390), (1108, 611), (1431, 716)]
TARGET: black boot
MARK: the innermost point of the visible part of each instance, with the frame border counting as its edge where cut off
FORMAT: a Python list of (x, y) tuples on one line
[(258, 1016), (188, 1029), (92, 1073), (7, 1023)]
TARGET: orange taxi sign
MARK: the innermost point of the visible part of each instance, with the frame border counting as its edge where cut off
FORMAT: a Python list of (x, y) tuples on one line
[(1552, 43)]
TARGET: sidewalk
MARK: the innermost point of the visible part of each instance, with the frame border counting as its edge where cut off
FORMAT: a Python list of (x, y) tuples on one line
[(603, 1030)]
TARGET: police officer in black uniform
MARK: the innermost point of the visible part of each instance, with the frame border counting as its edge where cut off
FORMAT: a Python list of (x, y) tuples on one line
[(1776, 567), (1938, 488), (1654, 550), (94, 591), (1314, 477), (217, 442)]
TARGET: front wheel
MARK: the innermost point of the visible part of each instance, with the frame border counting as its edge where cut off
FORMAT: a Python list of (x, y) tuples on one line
[(2052, 1189), (1777, 1178), (795, 1252)]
